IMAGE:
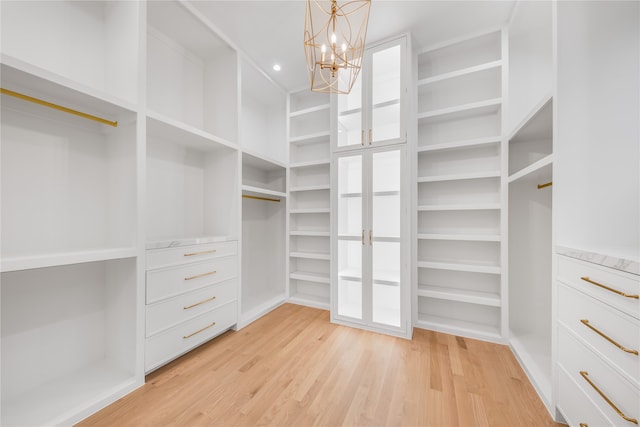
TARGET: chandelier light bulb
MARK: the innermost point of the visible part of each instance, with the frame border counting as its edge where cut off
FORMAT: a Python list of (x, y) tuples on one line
[(333, 38), (344, 47)]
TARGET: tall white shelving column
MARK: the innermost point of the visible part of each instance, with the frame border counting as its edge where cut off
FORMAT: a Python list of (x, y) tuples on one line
[(459, 283)]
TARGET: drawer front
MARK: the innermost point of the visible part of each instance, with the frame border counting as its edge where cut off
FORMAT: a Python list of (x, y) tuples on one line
[(158, 258), (592, 374), (168, 313), (575, 406), (593, 321), (572, 272), (169, 282), (173, 342)]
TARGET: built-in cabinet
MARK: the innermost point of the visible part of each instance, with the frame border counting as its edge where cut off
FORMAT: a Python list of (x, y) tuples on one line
[(459, 286)]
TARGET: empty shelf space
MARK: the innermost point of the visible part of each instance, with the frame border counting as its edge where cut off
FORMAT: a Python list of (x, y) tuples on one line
[(310, 277), (310, 110), (460, 111), (182, 133), (459, 73), (458, 327), (460, 176), (309, 233), (462, 237), (311, 255), (16, 263), (310, 211), (310, 138), (460, 144), (309, 188), (474, 268), (460, 207), (319, 162), (540, 164), (537, 124), (310, 300), (249, 190), (462, 295)]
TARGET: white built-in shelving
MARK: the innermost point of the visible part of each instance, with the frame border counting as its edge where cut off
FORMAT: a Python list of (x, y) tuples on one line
[(309, 189), (458, 183)]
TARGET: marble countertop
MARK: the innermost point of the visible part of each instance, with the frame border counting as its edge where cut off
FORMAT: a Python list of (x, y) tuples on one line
[(621, 264), (186, 241)]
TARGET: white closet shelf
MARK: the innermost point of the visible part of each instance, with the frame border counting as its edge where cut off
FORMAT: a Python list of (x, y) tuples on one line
[(310, 211), (309, 233), (537, 124), (261, 162), (460, 207), (59, 401), (386, 103), (350, 112), (311, 138), (347, 195), (309, 188), (460, 176), (309, 110), (535, 167), (461, 295), (461, 237), (189, 136), (248, 190), (460, 144), (310, 300), (65, 258), (458, 327), (311, 255), (310, 277), (320, 162), (462, 111), (472, 268), (459, 73), (386, 193)]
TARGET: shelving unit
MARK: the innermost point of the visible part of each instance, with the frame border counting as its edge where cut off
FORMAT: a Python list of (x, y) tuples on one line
[(309, 190), (459, 285)]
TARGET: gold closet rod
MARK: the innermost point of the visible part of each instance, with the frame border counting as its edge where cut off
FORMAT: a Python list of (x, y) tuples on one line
[(58, 107), (548, 184), (260, 198)]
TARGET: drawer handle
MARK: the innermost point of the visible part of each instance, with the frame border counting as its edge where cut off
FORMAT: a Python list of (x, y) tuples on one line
[(586, 323), (615, 291), (199, 303), (199, 330), (584, 425), (200, 275), (212, 251), (585, 375)]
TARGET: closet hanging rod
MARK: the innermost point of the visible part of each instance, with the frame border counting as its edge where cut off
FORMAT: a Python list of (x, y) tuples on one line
[(260, 198), (548, 184), (58, 107)]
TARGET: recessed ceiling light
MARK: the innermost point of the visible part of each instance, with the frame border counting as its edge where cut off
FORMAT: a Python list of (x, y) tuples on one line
[(276, 67)]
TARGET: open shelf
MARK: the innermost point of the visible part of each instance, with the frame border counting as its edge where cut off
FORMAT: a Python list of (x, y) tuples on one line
[(541, 165), (188, 135), (310, 277), (51, 260), (309, 110), (311, 138), (310, 211), (463, 237), (462, 295), (248, 190), (479, 108), (460, 207), (263, 175), (311, 255), (309, 188), (460, 176), (319, 162), (309, 233), (453, 145), (459, 73), (474, 268), (467, 328)]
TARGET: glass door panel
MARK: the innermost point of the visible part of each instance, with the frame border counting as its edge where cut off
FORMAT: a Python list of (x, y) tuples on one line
[(385, 231), (350, 236), (385, 94), (350, 116)]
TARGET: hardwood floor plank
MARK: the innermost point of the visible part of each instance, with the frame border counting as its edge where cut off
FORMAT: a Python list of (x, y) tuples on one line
[(294, 368)]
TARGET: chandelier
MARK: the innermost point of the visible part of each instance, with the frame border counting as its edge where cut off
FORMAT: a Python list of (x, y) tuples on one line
[(334, 37)]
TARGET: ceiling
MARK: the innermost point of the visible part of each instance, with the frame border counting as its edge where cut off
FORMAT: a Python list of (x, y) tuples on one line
[(270, 32)]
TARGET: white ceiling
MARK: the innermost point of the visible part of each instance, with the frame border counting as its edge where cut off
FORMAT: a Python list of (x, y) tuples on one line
[(270, 32)]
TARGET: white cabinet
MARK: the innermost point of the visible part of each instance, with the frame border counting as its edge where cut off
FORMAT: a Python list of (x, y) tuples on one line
[(309, 190), (374, 112), (458, 251), (369, 274)]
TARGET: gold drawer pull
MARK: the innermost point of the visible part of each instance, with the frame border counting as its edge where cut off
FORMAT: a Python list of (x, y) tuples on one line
[(586, 323), (212, 251), (199, 330), (199, 303), (585, 375), (615, 291), (584, 425), (197, 276)]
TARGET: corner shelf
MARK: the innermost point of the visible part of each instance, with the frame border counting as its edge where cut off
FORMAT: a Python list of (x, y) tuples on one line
[(248, 190), (461, 295), (460, 176), (531, 169)]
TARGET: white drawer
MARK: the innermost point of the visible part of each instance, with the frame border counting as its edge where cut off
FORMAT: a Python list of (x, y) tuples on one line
[(176, 341), (583, 366), (575, 406), (575, 308), (172, 281), (158, 258), (168, 313), (572, 271)]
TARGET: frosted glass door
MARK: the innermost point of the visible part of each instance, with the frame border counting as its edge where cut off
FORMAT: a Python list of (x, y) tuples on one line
[(350, 236), (385, 94), (350, 116), (385, 237)]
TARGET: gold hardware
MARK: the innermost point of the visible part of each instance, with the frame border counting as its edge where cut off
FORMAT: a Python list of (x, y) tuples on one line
[(548, 184), (246, 196), (626, 350), (585, 375), (363, 237), (57, 107), (200, 275), (199, 303), (362, 138), (370, 136), (615, 291), (370, 237), (212, 251), (199, 330), (584, 425)]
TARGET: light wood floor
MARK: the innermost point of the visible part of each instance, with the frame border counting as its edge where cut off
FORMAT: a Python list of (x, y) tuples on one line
[(294, 368)]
